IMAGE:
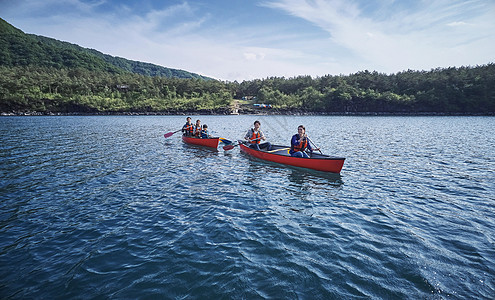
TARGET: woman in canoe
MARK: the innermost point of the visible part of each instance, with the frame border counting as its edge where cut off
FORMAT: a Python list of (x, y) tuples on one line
[(197, 129), (299, 143), (254, 137)]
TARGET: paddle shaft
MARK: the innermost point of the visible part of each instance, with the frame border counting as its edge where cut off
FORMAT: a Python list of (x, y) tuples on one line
[(169, 134), (230, 147), (314, 144)]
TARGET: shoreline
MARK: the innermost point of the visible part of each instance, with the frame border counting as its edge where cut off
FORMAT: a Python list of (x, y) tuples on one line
[(255, 112)]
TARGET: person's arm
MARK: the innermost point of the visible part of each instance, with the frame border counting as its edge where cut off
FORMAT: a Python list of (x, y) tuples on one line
[(248, 135), (262, 136), (293, 142)]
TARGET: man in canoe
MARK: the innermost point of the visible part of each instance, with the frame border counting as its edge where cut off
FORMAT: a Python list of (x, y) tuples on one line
[(188, 128), (299, 143), (254, 137)]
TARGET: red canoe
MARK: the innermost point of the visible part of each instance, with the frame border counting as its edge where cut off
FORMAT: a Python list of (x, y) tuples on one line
[(212, 142), (280, 154)]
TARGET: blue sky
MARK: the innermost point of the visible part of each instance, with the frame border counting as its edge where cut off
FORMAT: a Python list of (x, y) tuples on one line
[(254, 39)]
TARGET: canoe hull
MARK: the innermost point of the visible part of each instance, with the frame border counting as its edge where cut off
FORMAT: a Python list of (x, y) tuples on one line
[(212, 142), (318, 162)]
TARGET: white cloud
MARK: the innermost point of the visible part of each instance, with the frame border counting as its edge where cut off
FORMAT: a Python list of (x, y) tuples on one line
[(455, 24), (251, 56), (402, 39), (346, 36)]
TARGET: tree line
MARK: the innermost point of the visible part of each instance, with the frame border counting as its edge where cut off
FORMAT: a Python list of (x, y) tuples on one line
[(464, 90), (46, 75), (450, 90), (45, 89)]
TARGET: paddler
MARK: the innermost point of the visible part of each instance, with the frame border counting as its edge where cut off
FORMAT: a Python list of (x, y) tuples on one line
[(299, 143), (254, 137), (188, 128), (197, 129)]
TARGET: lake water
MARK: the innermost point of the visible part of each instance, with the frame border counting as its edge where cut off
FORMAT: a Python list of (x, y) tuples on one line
[(106, 207)]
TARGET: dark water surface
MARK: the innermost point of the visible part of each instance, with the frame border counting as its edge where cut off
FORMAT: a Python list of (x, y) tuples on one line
[(105, 207)]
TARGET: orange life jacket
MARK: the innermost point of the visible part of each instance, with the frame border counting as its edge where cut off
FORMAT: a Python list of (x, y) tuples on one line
[(188, 129), (303, 144), (255, 135), (197, 131)]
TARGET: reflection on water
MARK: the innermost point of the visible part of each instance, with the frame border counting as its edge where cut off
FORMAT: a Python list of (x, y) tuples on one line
[(199, 149), (296, 175), (194, 153), (301, 175)]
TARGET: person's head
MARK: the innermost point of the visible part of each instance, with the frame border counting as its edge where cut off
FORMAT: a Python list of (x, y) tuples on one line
[(205, 126), (257, 124), (301, 130), (188, 119), (198, 122)]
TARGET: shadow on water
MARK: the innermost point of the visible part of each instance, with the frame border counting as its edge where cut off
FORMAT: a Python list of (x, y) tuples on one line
[(185, 155), (301, 175), (200, 151)]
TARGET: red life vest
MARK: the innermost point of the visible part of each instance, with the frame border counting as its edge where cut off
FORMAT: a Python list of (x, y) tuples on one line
[(303, 144), (255, 135), (188, 129), (197, 131)]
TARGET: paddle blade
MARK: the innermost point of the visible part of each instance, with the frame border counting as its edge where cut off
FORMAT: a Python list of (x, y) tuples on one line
[(228, 147), (225, 141), (168, 134)]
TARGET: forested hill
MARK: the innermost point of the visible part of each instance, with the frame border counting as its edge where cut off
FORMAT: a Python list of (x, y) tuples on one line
[(43, 75), (20, 49)]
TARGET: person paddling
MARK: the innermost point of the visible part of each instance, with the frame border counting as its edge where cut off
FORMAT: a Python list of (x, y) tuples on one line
[(197, 129), (188, 128), (299, 143), (254, 137)]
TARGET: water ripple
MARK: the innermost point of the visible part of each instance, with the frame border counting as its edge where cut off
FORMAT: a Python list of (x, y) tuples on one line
[(105, 207)]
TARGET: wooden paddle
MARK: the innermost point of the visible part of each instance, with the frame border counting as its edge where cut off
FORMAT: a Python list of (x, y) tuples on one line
[(169, 134), (230, 147)]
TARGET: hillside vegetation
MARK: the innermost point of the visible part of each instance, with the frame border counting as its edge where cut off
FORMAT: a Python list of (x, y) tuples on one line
[(49, 76), (20, 49)]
